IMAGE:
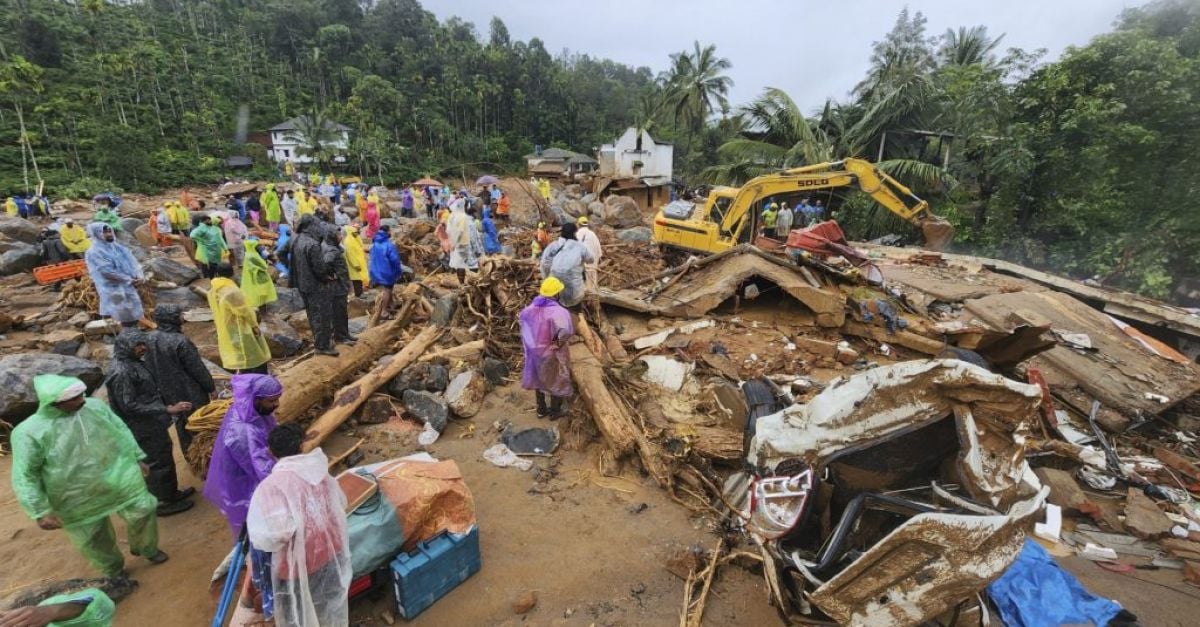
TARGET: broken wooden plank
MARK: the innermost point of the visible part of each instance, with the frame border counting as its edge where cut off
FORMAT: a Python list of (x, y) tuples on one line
[(471, 351), (348, 399), (907, 339)]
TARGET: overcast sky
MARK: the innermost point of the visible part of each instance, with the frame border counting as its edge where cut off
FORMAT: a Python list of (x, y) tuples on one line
[(812, 49)]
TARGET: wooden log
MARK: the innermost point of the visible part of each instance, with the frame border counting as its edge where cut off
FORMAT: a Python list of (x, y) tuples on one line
[(613, 343), (723, 445), (471, 351), (348, 399), (589, 337), (907, 339), (306, 385), (616, 424)]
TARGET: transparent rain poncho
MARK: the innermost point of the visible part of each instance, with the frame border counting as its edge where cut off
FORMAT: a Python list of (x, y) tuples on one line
[(298, 514), (239, 340), (80, 467), (113, 269), (545, 327)]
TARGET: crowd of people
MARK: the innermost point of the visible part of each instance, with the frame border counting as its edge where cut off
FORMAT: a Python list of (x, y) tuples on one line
[(78, 461), (778, 219)]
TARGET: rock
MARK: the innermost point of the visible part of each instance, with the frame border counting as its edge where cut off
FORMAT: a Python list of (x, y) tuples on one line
[(101, 328), (1064, 492), (574, 190), (167, 269), (525, 603), (596, 209), (6, 322), (621, 212), (282, 338), (427, 407), (1143, 518), (288, 301), (20, 257), (636, 235), (575, 208), (79, 319), (588, 199), (495, 370), (130, 225), (443, 310), (62, 341), (846, 355), (17, 398), (19, 229), (465, 393), (377, 410), (143, 235), (299, 322), (358, 325), (423, 376), (821, 348), (359, 306), (182, 296)]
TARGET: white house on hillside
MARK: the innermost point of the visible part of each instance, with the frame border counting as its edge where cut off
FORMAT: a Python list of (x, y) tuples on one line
[(284, 143), (636, 155)]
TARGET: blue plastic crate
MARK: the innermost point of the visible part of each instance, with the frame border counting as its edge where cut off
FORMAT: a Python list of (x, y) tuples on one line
[(436, 567)]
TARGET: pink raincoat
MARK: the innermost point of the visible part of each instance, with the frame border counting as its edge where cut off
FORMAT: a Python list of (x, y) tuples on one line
[(547, 362), (372, 219)]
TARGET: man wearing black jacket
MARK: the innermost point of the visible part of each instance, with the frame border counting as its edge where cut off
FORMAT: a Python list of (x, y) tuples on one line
[(178, 368), (311, 274)]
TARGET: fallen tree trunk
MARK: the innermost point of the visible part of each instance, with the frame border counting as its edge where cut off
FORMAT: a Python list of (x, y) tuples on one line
[(348, 399), (593, 342), (721, 445), (619, 429), (471, 351), (306, 385)]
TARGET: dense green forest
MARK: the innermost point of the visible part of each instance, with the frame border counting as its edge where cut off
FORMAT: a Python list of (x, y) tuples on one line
[(1080, 165)]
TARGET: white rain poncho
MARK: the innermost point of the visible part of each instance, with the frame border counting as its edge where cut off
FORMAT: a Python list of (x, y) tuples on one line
[(564, 258), (113, 269), (298, 514), (463, 255)]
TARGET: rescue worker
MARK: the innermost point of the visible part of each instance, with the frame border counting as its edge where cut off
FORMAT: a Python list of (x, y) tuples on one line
[(210, 245), (503, 206), (241, 344), (53, 250), (783, 222), (178, 368), (356, 258), (290, 207), (271, 207), (74, 238), (10, 207), (235, 234), (310, 274), (564, 259), (116, 275), (240, 458), (257, 285), (298, 515), (135, 397), (769, 216), (458, 231), (491, 238), (181, 218), (385, 267), (590, 241), (545, 330), (107, 213), (160, 227), (75, 464), (335, 260)]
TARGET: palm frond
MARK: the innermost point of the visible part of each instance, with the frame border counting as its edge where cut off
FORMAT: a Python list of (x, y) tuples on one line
[(918, 172)]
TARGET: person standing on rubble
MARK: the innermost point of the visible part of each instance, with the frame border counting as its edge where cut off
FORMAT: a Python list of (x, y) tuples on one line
[(116, 275), (385, 267), (783, 222), (75, 464), (210, 245), (564, 259), (590, 241), (458, 231), (178, 368), (271, 207), (136, 398), (290, 207), (298, 515), (310, 274), (241, 344), (335, 260), (545, 330), (491, 237)]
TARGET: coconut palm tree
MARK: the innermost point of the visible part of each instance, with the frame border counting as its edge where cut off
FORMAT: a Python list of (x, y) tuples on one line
[(696, 86), (316, 135), (968, 46)]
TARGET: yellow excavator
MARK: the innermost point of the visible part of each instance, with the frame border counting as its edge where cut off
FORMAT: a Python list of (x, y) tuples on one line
[(729, 217)]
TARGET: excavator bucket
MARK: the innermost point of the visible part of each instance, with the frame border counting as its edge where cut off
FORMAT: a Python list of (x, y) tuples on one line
[(938, 232)]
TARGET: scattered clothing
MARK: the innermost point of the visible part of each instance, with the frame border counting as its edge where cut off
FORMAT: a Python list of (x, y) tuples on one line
[(1036, 591)]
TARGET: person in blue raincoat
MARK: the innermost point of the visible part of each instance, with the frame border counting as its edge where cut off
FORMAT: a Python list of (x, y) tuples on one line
[(383, 266), (491, 239), (116, 274), (283, 250)]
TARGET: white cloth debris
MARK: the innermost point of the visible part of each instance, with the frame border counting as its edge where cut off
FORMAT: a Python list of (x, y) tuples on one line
[(503, 457)]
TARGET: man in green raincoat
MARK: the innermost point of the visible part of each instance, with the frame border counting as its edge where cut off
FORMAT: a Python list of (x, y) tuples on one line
[(74, 465), (210, 244), (89, 607), (271, 207)]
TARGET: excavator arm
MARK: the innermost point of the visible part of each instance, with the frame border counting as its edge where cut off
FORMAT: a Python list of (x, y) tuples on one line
[(886, 190)]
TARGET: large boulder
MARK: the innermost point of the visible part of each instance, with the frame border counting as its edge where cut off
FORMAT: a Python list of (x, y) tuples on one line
[(19, 257), (621, 212), (596, 209), (17, 398), (182, 296), (167, 269), (424, 376), (428, 408), (588, 198), (288, 301), (130, 225), (574, 190), (636, 235), (282, 338), (143, 235), (19, 229), (575, 208)]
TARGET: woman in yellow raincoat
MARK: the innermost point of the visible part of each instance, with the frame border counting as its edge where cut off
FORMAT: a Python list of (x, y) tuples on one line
[(74, 238), (10, 207), (242, 346), (257, 286), (356, 258), (303, 205)]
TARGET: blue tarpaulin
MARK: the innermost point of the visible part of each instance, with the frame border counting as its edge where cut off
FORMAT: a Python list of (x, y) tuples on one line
[(1036, 592)]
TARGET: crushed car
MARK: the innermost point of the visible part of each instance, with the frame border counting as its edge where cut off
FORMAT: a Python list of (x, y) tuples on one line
[(892, 497)]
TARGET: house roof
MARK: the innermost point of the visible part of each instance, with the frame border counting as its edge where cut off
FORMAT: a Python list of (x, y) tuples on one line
[(578, 158), (559, 154), (291, 124)]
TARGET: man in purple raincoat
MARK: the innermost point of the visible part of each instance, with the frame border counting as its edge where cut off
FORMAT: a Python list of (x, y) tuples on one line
[(241, 458), (545, 329)]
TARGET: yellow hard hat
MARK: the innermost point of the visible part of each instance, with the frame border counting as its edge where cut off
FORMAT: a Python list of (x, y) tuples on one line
[(551, 286), (582, 221)]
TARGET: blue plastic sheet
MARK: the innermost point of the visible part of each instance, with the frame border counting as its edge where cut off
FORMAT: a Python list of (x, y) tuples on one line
[(1036, 592)]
